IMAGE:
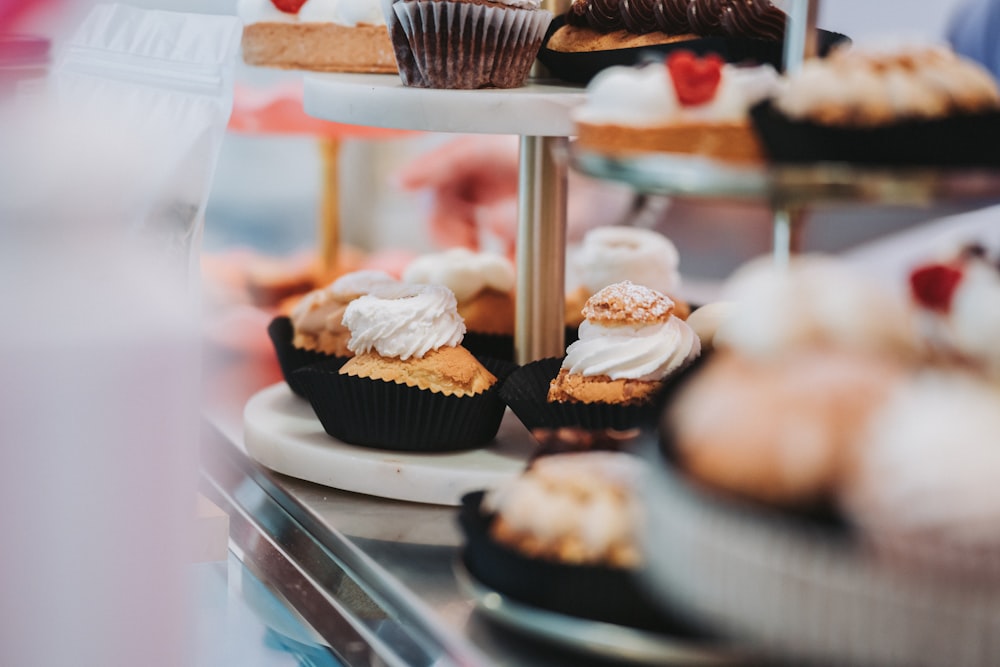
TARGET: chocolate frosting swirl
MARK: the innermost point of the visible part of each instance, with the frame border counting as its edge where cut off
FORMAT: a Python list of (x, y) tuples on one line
[(672, 16), (703, 15), (753, 18), (637, 15), (604, 15)]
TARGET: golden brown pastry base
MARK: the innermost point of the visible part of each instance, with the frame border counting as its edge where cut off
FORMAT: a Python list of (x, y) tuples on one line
[(574, 39), (565, 549), (569, 387), (731, 142), (489, 312), (451, 371), (327, 342), (325, 47), (576, 299)]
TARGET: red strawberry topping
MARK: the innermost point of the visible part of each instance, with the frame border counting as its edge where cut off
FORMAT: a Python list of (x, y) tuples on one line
[(933, 286), (695, 79), (289, 6)]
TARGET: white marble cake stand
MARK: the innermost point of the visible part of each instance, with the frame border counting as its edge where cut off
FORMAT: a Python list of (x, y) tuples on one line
[(281, 432)]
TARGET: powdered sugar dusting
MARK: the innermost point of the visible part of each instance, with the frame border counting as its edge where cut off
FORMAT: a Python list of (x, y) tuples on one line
[(625, 302)]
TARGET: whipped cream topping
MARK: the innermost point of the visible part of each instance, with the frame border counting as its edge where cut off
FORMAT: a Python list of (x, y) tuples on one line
[(928, 467), (647, 353), (464, 272), (585, 496), (975, 315), (321, 310), (404, 321), (816, 300), (610, 255), (341, 12), (645, 96), (873, 86)]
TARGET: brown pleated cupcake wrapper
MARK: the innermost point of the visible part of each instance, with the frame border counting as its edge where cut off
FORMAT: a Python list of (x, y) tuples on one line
[(596, 592), (291, 358), (526, 392), (386, 415), (464, 45), (806, 592)]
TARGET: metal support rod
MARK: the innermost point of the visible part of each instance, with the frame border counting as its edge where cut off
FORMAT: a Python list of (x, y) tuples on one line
[(787, 234), (329, 215), (539, 330), (800, 33)]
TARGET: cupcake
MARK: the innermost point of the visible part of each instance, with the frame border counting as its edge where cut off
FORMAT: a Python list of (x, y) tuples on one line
[(410, 384), (609, 255), (465, 43), (630, 342), (316, 35), (483, 284), (313, 331), (687, 105)]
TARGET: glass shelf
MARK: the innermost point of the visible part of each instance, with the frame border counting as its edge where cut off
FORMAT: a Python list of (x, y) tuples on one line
[(791, 186)]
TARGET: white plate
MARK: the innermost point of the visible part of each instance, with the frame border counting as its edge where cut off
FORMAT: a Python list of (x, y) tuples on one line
[(282, 433), (607, 640)]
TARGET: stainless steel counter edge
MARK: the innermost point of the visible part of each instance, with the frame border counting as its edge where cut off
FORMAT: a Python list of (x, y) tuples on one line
[(360, 610)]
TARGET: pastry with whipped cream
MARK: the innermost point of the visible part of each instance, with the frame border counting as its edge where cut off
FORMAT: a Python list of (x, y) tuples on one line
[(598, 25), (958, 303), (856, 87), (609, 255), (483, 284), (466, 44), (411, 335), (923, 486), (578, 508), (687, 104), (316, 318), (318, 35), (778, 430), (629, 343)]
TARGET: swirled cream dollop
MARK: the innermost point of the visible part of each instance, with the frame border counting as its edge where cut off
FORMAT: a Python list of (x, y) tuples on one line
[(404, 320), (648, 352), (322, 309), (609, 255), (465, 272)]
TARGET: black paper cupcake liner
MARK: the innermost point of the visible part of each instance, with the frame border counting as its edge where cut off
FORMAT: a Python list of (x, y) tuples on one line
[(967, 140), (581, 67), (494, 346), (386, 415), (526, 392), (291, 358), (594, 592)]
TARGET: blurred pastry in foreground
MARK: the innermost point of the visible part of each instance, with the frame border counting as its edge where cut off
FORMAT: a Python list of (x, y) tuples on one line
[(571, 508), (923, 487), (686, 105), (411, 335), (320, 35), (316, 318), (483, 284), (629, 343), (608, 255), (958, 300), (782, 430)]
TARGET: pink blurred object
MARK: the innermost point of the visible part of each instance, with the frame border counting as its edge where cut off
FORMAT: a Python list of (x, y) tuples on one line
[(15, 13), (278, 110)]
